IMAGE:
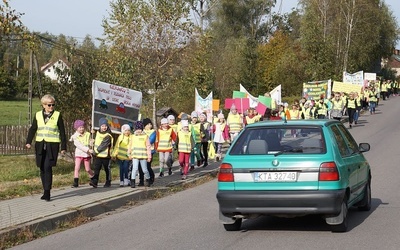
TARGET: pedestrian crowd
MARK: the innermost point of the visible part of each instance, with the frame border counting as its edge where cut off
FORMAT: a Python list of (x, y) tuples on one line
[(192, 140)]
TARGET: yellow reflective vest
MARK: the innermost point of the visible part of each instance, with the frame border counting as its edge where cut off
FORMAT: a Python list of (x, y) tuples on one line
[(235, 123), (184, 141), (47, 131), (121, 147), (97, 141), (139, 146), (164, 140)]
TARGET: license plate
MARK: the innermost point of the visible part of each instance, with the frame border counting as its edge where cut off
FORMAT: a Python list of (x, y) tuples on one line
[(275, 176)]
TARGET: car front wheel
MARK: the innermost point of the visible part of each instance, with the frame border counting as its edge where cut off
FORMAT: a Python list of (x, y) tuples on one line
[(233, 226)]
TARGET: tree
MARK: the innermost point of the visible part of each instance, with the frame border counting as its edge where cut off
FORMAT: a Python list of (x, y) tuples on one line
[(145, 39)]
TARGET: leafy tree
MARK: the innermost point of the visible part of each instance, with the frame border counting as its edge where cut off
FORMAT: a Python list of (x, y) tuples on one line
[(145, 39)]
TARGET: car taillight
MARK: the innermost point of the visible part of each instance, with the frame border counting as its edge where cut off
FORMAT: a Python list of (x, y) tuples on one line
[(328, 172), (225, 173)]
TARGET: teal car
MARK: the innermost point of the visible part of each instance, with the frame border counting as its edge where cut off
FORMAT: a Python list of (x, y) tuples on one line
[(294, 168)]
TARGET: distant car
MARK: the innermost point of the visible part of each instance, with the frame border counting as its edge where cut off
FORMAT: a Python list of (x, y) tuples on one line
[(294, 168), (120, 108)]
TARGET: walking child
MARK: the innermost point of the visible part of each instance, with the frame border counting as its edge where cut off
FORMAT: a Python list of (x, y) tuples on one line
[(165, 137), (221, 135), (139, 151), (102, 151), (185, 144), (120, 153), (83, 153)]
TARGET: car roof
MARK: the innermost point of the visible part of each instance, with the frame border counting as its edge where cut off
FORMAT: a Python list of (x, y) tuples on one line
[(300, 122)]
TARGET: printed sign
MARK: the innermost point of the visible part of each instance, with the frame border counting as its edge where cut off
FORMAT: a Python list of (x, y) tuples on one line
[(119, 105), (346, 87)]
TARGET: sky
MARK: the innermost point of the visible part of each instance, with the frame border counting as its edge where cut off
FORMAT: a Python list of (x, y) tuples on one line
[(78, 18)]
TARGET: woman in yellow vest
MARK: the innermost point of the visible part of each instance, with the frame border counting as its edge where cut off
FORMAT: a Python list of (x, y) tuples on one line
[(165, 137), (185, 145), (81, 139), (351, 106), (337, 107), (372, 98), (139, 152), (103, 143), (120, 153), (48, 126)]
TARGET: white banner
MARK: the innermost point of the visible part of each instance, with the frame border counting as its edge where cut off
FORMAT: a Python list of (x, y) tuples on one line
[(370, 76), (252, 99), (276, 95), (204, 105), (119, 105), (356, 78)]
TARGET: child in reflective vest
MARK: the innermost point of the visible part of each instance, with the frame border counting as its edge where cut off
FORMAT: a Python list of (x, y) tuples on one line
[(139, 152), (81, 140), (186, 145), (120, 153), (165, 138)]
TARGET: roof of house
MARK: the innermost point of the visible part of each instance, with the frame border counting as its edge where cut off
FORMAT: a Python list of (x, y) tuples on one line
[(50, 64)]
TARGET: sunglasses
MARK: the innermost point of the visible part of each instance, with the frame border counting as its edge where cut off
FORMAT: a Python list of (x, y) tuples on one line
[(51, 105)]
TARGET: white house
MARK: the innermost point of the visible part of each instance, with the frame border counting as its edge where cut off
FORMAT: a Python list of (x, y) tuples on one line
[(49, 69)]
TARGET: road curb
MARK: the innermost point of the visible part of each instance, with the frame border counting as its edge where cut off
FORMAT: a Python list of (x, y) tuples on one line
[(94, 209)]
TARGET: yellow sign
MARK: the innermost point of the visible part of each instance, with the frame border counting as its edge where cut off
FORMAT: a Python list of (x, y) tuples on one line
[(346, 87)]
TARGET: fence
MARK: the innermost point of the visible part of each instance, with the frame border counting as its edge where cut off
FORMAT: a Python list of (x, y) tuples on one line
[(13, 140)]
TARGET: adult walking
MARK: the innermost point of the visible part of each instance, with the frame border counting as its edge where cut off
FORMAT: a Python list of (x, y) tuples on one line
[(48, 126)]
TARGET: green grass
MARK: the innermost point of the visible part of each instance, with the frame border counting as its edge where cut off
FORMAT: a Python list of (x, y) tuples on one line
[(17, 112), (19, 175)]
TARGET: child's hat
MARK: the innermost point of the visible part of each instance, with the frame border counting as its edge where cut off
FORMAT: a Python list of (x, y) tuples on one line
[(194, 114), (171, 117), (185, 123), (233, 107), (202, 115), (164, 121), (139, 125), (146, 121), (125, 127), (79, 123), (103, 121), (221, 116)]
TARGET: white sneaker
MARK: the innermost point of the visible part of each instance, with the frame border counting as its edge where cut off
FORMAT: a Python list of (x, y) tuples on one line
[(126, 182), (121, 183)]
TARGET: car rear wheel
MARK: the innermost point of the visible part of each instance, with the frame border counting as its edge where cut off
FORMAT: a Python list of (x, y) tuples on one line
[(366, 201), (233, 226), (342, 227)]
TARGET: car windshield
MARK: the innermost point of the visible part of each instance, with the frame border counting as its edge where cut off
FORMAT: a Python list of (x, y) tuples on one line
[(280, 140)]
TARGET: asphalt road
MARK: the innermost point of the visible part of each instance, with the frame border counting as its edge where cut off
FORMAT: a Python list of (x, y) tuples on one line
[(189, 219)]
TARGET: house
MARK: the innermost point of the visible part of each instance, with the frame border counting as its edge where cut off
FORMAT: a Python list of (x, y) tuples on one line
[(393, 62), (49, 69)]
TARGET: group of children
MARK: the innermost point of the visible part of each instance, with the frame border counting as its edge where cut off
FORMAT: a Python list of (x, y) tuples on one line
[(135, 146)]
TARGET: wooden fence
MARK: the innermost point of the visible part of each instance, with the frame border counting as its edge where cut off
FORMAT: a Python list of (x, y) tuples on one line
[(13, 140)]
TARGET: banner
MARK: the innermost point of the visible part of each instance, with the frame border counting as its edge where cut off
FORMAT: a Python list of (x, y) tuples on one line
[(370, 76), (314, 90), (215, 105), (204, 105), (346, 87), (119, 105), (253, 100), (238, 94), (356, 78), (276, 95)]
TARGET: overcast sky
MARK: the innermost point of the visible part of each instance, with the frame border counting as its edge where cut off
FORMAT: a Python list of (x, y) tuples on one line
[(78, 18)]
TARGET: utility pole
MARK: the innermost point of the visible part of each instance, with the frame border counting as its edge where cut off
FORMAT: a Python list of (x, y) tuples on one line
[(30, 89)]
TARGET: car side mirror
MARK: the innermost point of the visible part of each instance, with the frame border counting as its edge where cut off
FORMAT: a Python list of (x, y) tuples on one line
[(364, 147)]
